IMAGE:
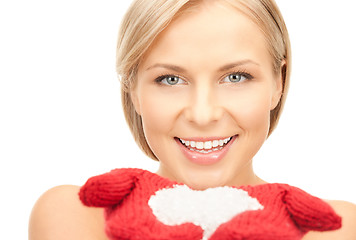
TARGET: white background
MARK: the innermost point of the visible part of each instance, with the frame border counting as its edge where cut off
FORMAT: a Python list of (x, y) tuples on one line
[(60, 112)]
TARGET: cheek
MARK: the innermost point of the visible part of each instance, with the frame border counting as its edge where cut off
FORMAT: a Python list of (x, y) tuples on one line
[(159, 114), (153, 119), (158, 117), (251, 111)]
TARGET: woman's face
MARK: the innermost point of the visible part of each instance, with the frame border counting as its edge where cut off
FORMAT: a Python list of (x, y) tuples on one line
[(205, 90)]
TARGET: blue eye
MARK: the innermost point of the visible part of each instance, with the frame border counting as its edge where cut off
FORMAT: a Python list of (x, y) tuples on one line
[(169, 80), (237, 77)]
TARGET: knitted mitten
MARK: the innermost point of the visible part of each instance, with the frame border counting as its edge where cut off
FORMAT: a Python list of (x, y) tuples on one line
[(124, 193), (288, 214), (142, 205)]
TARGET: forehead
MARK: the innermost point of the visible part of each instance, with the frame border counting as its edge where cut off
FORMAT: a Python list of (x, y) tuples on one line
[(209, 30)]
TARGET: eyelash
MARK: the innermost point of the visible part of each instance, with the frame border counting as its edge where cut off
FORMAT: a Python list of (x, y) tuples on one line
[(244, 74), (162, 77)]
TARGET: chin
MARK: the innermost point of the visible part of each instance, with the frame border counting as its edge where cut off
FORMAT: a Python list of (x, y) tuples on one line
[(204, 180), (204, 185)]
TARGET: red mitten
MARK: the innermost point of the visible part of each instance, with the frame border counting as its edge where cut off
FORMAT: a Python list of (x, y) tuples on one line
[(125, 194), (143, 205), (110, 188), (310, 213), (288, 214)]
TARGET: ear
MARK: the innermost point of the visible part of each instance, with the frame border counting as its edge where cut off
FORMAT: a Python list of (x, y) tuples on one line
[(278, 86), (135, 101)]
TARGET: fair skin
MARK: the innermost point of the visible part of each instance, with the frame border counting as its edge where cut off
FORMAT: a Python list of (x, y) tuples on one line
[(206, 93), (205, 100)]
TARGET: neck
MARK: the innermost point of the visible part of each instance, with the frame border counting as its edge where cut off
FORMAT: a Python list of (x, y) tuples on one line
[(246, 176)]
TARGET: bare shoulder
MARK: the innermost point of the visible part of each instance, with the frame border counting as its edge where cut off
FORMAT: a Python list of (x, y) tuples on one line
[(347, 211), (59, 215)]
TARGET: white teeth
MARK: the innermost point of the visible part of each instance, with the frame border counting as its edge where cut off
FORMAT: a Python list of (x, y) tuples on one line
[(208, 145), (199, 145)]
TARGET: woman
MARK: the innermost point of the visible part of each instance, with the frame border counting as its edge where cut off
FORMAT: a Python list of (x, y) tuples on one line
[(203, 86)]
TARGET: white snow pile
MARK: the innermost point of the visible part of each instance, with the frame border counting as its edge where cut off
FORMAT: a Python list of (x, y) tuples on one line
[(208, 209)]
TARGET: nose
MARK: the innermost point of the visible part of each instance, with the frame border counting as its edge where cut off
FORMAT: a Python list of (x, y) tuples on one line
[(203, 107)]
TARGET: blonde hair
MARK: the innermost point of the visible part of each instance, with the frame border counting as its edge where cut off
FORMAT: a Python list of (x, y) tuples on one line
[(146, 19)]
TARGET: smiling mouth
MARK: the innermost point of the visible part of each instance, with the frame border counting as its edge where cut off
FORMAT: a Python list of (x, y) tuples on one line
[(205, 146)]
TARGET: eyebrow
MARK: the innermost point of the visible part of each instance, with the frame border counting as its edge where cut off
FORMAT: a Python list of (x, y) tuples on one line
[(237, 64), (221, 69), (167, 66)]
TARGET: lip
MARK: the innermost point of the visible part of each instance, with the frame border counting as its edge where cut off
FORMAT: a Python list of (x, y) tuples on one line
[(204, 139), (205, 158)]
